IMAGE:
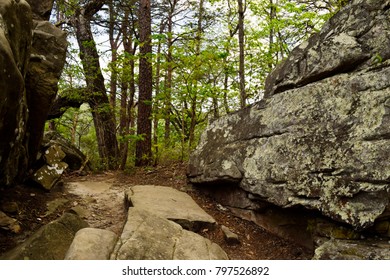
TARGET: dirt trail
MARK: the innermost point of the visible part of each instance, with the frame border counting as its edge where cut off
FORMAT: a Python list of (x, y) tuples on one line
[(99, 199), (102, 197)]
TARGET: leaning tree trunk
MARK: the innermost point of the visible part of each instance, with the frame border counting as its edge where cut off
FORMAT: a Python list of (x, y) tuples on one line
[(103, 116)]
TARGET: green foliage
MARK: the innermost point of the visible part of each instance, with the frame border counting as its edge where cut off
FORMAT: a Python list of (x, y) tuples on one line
[(202, 62), (377, 59)]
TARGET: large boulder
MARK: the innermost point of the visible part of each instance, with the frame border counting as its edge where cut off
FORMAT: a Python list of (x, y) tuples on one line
[(147, 236), (50, 242), (46, 62), (320, 139), (32, 54), (15, 48), (75, 159), (354, 39), (53, 168)]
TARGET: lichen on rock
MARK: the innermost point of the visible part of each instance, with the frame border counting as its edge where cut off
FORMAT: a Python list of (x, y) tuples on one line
[(320, 138)]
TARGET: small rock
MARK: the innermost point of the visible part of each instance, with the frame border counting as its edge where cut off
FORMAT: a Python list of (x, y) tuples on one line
[(10, 207), (222, 208), (9, 224), (230, 237), (81, 211)]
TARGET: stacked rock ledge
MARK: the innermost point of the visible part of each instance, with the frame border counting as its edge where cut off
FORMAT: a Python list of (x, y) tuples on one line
[(318, 143)]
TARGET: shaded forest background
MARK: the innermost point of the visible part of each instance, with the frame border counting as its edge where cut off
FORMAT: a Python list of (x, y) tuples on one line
[(143, 77)]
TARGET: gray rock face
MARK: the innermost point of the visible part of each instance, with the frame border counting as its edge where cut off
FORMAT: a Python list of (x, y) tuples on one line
[(171, 204), (32, 56), (47, 59), (323, 145), (353, 250), (356, 38), (41, 8), (150, 237), (50, 242)]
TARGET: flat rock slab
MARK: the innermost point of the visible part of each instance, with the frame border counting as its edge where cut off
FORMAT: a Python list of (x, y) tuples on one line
[(147, 236), (92, 244), (171, 204)]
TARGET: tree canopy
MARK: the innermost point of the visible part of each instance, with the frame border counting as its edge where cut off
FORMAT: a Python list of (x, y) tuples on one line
[(151, 73)]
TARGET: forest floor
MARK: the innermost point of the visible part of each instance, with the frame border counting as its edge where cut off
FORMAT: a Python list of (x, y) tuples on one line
[(104, 208)]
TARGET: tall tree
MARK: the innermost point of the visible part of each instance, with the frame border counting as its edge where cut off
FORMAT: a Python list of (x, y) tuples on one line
[(127, 81), (114, 38), (241, 43), (144, 123), (97, 98)]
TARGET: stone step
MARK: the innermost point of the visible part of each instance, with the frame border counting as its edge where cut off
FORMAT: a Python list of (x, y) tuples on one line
[(147, 236), (171, 204)]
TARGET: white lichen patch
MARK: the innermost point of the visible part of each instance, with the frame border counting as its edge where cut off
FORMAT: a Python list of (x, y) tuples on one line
[(345, 39), (304, 45), (226, 164)]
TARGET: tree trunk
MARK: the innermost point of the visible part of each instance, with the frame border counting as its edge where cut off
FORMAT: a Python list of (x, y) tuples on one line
[(114, 55), (272, 15), (144, 123), (128, 87), (241, 42), (157, 94), (194, 98), (103, 116)]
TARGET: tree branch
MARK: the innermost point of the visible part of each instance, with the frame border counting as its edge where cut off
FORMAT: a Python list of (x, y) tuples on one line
[(64, 102), (92, 7)]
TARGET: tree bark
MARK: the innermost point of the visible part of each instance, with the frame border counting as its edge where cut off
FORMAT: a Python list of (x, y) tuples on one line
[(194, 97), (127, 88), (241, 42), (103, 117), (144, 122), (114, 44)]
